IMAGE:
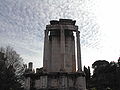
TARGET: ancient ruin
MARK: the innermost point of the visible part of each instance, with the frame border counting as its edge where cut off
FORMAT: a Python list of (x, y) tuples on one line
[(61, 54)]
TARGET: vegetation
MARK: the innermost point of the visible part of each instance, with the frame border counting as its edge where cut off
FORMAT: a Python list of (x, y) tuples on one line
[(105, 75), (11, 69)]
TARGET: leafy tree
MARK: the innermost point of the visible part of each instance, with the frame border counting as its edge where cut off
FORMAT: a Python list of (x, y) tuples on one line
[(106, 76), (11, 69)]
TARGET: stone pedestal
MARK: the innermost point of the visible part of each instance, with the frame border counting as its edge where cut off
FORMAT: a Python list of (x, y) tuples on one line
[(56, 81)]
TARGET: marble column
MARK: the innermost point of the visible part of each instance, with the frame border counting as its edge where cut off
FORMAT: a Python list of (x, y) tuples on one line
[(46, 51), (73, 56), (62, 47), (78, 51)]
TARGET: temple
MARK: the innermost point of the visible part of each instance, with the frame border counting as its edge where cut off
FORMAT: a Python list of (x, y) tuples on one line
[(62, 53)]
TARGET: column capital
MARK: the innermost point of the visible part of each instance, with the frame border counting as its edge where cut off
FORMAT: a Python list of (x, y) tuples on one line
[(78, 32), (46, 32)]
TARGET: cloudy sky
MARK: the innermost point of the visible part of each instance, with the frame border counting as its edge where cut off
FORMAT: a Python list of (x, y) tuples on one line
[(22, 23)]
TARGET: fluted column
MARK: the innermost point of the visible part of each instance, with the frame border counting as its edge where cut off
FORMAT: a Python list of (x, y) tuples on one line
[(78, 51), (46, 51), (62, 47)]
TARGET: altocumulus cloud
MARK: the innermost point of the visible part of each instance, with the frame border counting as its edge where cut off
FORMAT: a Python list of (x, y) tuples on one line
[(22, 23)]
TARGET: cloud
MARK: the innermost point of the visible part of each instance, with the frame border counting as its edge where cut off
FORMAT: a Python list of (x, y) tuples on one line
[(22, 23)]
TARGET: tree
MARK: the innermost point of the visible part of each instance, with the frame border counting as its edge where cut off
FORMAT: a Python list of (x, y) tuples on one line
[(11, 69), (105, 75)]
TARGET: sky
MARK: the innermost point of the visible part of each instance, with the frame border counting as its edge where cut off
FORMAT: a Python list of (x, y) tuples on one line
[(22, 23)]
